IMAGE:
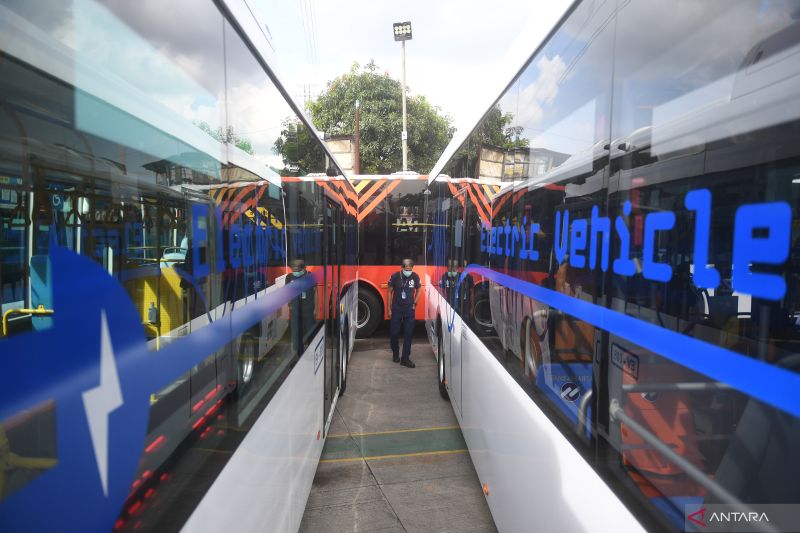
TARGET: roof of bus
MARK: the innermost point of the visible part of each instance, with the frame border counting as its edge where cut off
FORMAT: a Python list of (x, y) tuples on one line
[(519, 54), (60, 62)]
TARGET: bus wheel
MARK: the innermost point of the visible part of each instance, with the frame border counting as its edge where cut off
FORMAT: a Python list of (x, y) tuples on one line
[(533, 350), (483, 316), (370, 313), (246, 354), (441, 377), (343, 366)]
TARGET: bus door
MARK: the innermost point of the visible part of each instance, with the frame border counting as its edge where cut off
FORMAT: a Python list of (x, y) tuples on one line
[(455, 296), (340, 250), (200, 299), (330, 303), (15, 254), (336, 292)]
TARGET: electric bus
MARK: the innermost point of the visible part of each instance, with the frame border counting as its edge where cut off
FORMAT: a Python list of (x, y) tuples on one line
[(639, 370), (176, 319), (392, 219)]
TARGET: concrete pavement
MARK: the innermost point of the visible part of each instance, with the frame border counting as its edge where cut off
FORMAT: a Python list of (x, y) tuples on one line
[(395, 459)]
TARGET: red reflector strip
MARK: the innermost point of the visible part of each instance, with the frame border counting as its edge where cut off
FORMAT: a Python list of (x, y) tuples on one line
[(153, 445), (213, 408), (213, 392), (135, 507)]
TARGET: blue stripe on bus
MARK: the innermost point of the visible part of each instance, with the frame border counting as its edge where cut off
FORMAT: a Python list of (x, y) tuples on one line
[(27, 383), (184, 353), (768, 383)]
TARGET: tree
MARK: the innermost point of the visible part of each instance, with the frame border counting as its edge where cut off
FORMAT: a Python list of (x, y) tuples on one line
[(227, 136), (300, 151), (381, 121), (494, 129)]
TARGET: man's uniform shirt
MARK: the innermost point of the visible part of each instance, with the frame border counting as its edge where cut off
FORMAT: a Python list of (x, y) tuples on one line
[(404, 288)]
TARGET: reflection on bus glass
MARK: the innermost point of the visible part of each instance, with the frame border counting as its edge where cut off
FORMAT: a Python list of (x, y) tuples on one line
[(636, 273), (147, 241), (761, 236)]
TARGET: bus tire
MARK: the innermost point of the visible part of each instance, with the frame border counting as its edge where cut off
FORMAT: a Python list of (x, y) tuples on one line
[(482, 319), (343, 367), (245, 355), (369, 313), (441, 376), (532, 354)]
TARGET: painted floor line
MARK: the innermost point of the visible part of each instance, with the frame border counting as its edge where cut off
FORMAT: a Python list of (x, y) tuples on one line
[(393, 456), (344, 436)]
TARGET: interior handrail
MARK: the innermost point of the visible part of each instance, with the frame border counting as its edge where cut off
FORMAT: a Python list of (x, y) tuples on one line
[(618, 414), (39, 311)]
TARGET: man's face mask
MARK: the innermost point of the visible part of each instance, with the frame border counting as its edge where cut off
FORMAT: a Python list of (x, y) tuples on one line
[(407, 273), (452, 273), (298, 273)]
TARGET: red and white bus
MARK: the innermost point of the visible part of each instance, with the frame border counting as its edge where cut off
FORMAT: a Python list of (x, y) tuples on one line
[(391, 217)]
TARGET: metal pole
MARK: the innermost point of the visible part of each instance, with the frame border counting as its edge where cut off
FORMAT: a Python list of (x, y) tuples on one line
[(405, 131), (357, 150), (618, 414)]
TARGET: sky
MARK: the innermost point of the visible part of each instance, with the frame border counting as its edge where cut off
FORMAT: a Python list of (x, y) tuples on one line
[(462, 55), (463, 52)]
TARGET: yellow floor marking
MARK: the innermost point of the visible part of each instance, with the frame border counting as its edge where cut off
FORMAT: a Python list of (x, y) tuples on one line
[(394, 456), (390, 432)]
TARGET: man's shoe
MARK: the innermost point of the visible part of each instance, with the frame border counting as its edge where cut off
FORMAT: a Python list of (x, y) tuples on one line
[(396, 358), (408, 362)]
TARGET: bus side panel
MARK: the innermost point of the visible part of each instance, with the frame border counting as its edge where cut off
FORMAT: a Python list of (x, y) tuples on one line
[(431, 309), (534, 475), (275, 463)]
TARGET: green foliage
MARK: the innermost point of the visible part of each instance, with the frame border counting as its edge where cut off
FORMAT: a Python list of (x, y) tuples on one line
[(227, 136), (299, 149), (381, 120), (495, 130)]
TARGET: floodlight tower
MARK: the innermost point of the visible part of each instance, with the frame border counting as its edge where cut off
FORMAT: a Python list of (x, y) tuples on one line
[(402, 33)]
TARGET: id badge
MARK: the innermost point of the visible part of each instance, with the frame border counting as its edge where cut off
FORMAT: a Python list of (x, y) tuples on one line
[(403, 295)]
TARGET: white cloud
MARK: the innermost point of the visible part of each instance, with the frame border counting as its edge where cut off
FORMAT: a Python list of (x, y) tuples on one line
[(256, 112), (461, 56), (541, 92)]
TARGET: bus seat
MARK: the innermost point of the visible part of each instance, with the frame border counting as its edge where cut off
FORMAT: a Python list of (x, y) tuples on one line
[(761, 463)]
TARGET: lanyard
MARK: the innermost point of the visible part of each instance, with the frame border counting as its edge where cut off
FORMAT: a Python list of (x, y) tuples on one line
[(404, 281)]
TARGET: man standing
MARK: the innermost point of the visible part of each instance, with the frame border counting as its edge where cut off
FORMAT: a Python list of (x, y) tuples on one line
[(403, 292)]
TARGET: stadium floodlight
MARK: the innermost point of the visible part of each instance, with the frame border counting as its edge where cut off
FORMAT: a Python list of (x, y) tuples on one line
[(402, 33)]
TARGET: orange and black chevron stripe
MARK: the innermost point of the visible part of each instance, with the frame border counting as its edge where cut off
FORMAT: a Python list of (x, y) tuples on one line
[(372, 190), (479, 194), (236, 200), (340, 189)]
